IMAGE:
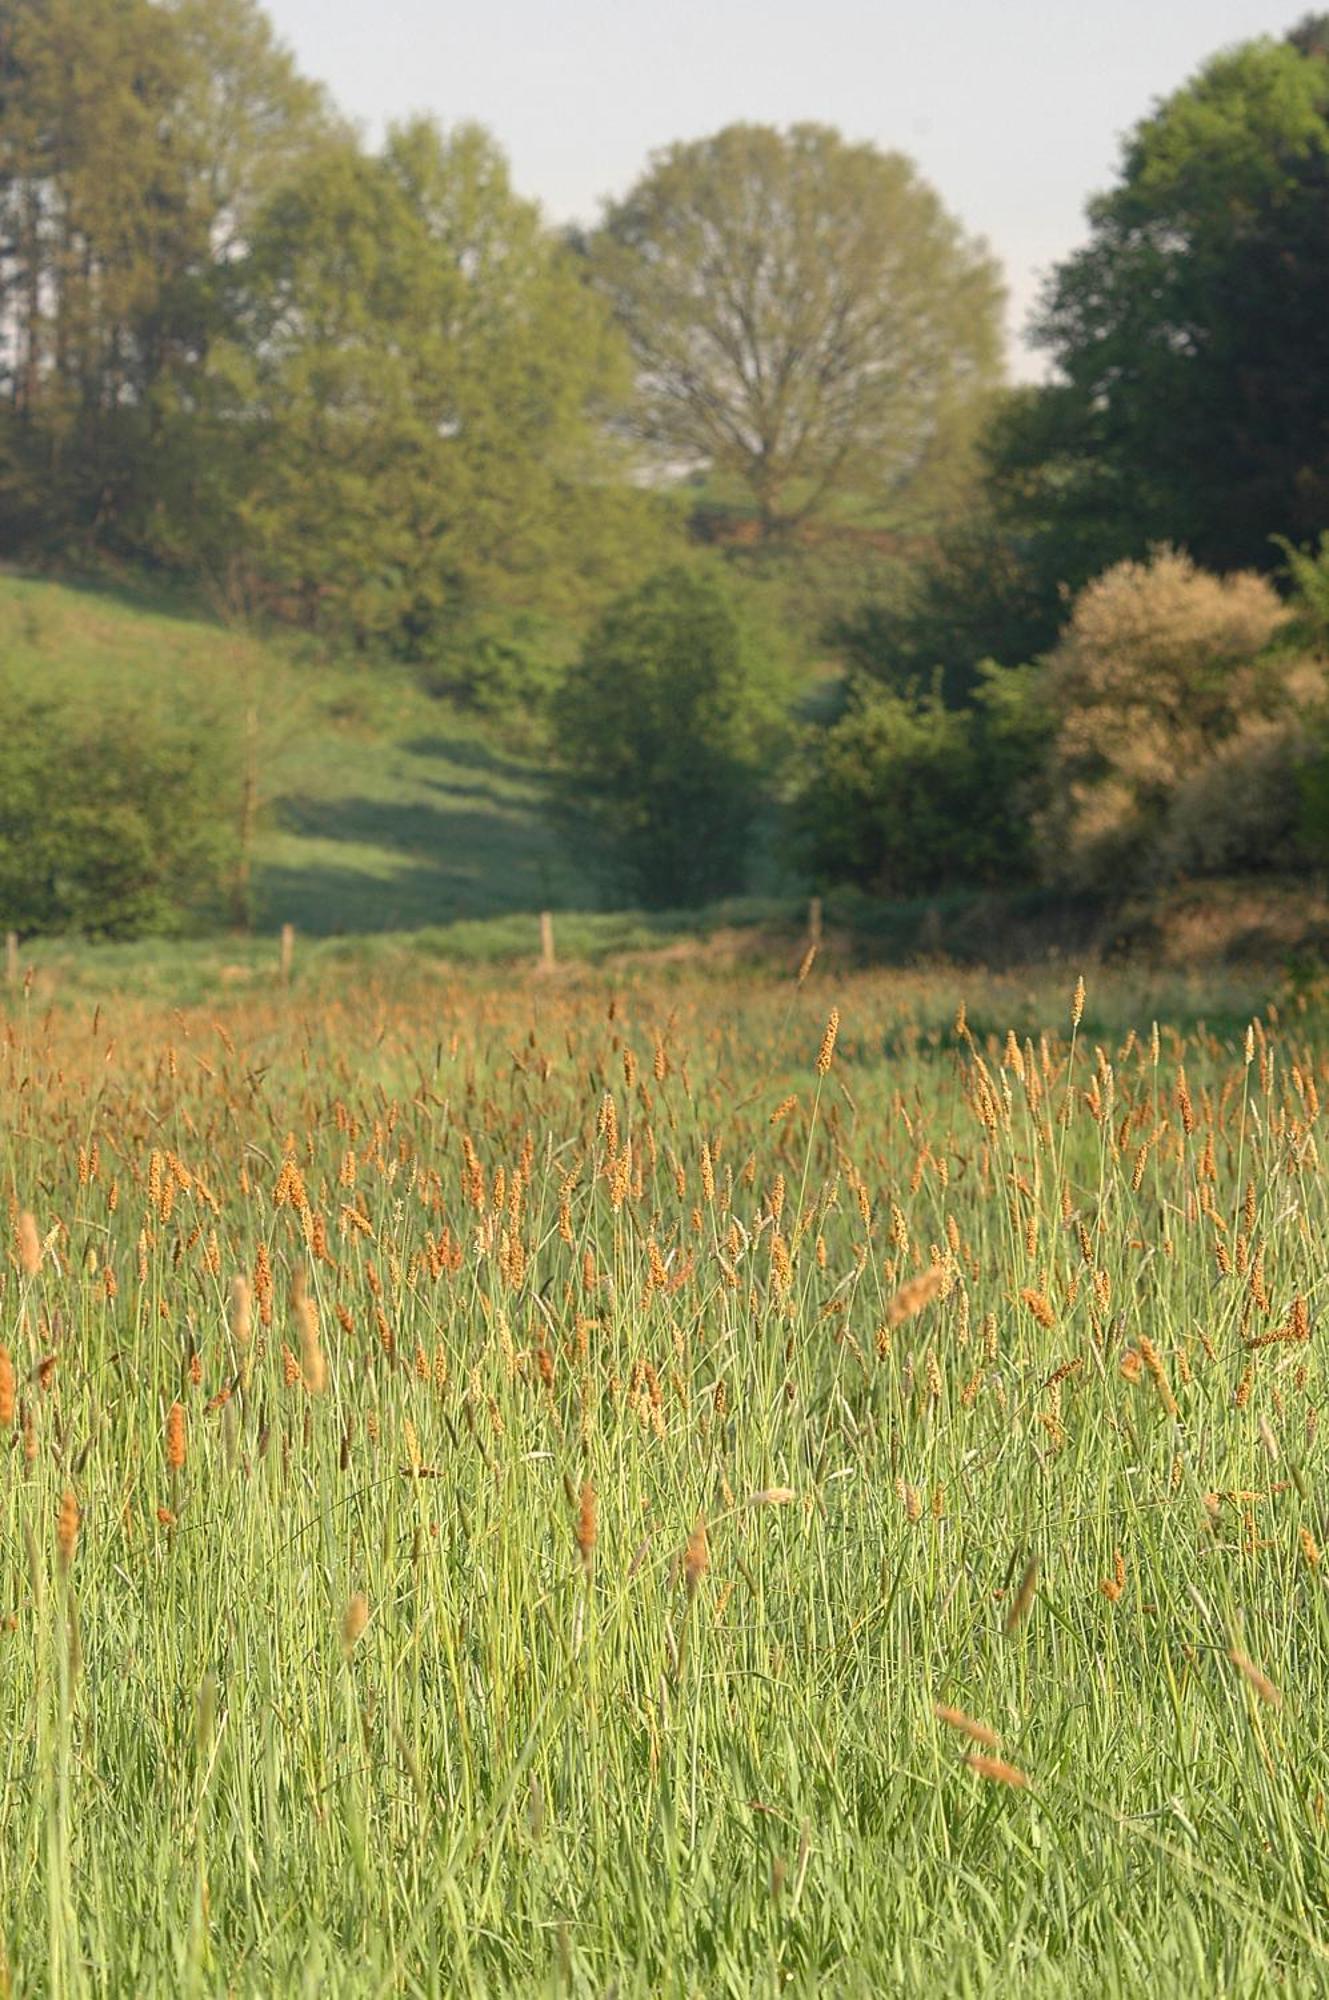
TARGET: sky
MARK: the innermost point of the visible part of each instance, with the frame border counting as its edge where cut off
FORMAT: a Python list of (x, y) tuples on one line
[(1013, 109)]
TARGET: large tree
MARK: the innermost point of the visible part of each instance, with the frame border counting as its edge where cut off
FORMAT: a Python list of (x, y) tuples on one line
[(137, 140), (807, 320), (1189, 334), (418, 382)]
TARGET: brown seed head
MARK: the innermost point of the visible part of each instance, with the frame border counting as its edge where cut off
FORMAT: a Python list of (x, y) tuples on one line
[(997, 1770), (916, 1293), (313, 1364), (354, 1619), (241, 1311), (827, 1049), (175, 1437), (66, 1529), (696, 1557), (587, 1524), (1252, 1675), (977, 1732), (29, 1245)]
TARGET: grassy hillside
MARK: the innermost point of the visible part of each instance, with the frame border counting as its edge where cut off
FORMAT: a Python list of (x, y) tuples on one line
[(383, 809)]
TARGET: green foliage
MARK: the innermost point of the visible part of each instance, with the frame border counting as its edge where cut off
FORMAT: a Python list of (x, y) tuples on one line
[(136, 140), (372, 388), (907, 796), (1189, 404), (506, 666), (1307, 572), (1189, 332), (113, 823), (419, 375), (666, 728), (807, 320)]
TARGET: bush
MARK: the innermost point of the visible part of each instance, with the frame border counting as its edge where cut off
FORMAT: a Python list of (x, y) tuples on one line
[(113, 825), (503, 665), (905, 796), (666, 728), (1181, 719)]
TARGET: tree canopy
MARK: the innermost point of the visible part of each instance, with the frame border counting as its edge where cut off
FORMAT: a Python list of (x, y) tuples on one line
[(231, 336), (664, 727), (806, 318), (1188, 334)]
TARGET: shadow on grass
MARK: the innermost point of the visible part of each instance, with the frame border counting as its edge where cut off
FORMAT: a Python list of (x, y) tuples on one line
[(418, 865), (142, 593)]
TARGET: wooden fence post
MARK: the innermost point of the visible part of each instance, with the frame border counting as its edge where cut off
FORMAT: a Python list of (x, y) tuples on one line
[(11, 958), (547, 960), (287, 952), (814, 920)]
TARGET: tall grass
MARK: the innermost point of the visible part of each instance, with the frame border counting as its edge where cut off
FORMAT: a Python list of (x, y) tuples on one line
[(574, 1489)]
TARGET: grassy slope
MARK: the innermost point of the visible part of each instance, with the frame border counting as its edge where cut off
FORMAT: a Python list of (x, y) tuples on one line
[(397, 832), (385, 810)]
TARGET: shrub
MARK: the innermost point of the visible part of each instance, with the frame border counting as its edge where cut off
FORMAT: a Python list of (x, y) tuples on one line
[(906, 796), (504, 665), (112, 824), (1181, 717), (666, 727)]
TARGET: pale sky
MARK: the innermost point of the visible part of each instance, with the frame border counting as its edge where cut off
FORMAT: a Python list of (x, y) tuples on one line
[(1013, 109)]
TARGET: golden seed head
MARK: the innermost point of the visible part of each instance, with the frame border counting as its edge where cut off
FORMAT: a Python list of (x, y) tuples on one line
[(977, 1732), (915, 1294), (313, 1363), (66, 1529), (175, 1437), (587, 1523), (997, 1770), (827, 1049), (696, 1557), (1255, 1679), (354, 1620), (241, 1311), (29, 1245)]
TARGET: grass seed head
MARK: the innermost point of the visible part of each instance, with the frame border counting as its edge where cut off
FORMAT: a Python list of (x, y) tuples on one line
[(353, 1623), (977, 1732), (66, 1529), (176, 1450), (29, 1244), (997, 1771), (1255, 1678)]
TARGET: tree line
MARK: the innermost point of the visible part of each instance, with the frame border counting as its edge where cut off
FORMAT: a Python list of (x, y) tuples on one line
[(639, 480)]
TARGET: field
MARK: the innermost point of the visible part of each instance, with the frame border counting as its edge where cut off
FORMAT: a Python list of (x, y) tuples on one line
[(664, 1484)]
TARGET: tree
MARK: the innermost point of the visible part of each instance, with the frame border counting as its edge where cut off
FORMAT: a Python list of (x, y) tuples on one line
[(906, 796), (418, 379), (665, 728), (114, 822), (1181, 717), (806, 318), (1192, 402), (93, 209), (136, 140)]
